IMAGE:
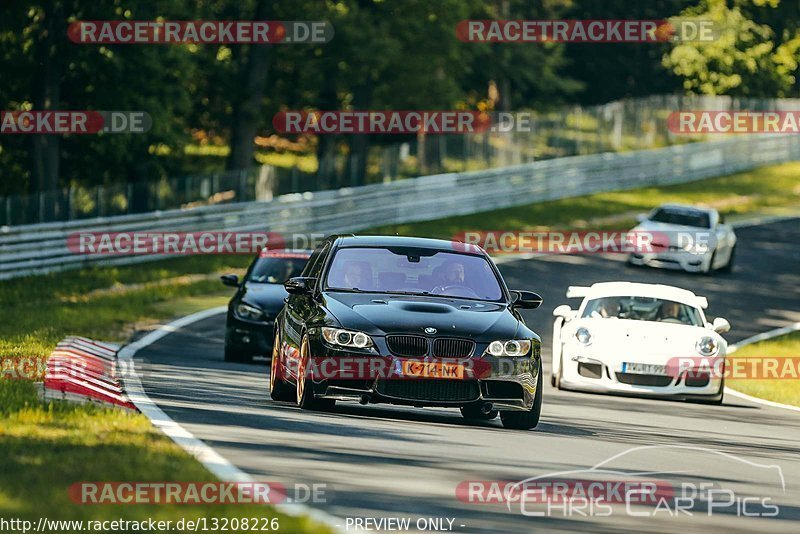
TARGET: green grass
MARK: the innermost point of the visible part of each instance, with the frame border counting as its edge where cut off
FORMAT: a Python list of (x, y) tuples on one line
[(47, 446), (785, 390), (773, 189), (110, 303)]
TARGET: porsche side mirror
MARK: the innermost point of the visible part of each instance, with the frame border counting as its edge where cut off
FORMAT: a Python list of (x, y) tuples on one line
[(300, 285), (642, 217), (527, 300), (230, 280), (721, 325), (563, 311)]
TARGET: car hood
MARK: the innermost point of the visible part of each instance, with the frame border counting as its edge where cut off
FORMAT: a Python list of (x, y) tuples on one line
[(378, 314), (268, 297), (620, 339)]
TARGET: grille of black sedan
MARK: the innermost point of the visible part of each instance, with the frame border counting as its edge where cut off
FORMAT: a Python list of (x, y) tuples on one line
[(435, 390), (404, 345), (448, 347), (644, 380)]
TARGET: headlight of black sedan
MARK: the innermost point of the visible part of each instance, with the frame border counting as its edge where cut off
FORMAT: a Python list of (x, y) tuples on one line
[(512, 347), (351, 339), (249, 313)]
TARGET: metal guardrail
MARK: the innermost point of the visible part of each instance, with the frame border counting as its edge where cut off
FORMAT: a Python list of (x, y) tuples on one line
[(42, 248)]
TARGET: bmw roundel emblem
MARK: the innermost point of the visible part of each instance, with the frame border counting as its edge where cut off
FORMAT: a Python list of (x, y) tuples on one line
[(430, 330)]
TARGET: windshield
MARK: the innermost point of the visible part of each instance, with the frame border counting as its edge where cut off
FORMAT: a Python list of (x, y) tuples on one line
[(643, 309), (414, 271), (268, 270), (682, 217)]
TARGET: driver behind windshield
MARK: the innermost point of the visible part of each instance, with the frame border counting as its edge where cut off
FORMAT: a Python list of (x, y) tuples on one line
[(607, 308), (454, 274), (670, 312), (355, 276)]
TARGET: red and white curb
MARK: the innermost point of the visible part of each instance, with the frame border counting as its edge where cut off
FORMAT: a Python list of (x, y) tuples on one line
[(85, 370)]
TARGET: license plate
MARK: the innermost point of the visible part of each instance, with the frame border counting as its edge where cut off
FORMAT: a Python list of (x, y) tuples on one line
[(644, 368), (433, 369)]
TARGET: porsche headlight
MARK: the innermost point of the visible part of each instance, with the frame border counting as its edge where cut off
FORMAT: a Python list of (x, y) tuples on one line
[(249, 313), (340, 337), (583, 336), (707, 346), (512, 347)]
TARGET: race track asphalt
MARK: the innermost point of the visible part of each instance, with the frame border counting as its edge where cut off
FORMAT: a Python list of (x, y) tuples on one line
[(383, 461)]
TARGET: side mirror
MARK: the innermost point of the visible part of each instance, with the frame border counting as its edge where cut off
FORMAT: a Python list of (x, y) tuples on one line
[(563, 311), (642, 217), (300, 285), (230, 280), (527, 300), (721, 325)]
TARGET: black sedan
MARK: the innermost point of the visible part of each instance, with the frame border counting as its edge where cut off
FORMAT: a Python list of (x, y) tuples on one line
[(259, 297), (410, 321)]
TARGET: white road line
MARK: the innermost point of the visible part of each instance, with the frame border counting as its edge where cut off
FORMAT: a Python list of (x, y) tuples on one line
[(755, 339), (211, 459)]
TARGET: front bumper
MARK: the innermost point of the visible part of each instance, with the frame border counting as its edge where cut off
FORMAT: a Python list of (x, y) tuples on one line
[(251, 337), (678, 259), (508, 383), (594, 375)]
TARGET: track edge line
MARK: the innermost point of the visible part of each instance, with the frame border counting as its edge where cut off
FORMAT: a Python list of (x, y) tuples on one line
[(206, 455)]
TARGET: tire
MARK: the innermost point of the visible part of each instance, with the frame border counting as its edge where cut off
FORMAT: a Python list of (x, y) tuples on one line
[(473, 412), (717, 399), (279, 390), (526, 420), (710, 270), (304, 392), (236, 356), (555, 380), (729, 266)]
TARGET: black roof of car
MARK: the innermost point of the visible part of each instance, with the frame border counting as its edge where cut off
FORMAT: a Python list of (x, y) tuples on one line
[(285, 253), (404, 241)]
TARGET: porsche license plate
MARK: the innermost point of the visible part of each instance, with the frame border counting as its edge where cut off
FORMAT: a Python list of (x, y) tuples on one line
[(644, 368), (433, 369)]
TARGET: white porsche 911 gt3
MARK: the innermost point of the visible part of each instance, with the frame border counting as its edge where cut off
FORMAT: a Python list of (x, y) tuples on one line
[(627, 337), (691, 238)]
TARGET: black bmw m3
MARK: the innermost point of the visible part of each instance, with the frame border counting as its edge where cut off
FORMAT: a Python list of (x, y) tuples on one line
[(410, 321)]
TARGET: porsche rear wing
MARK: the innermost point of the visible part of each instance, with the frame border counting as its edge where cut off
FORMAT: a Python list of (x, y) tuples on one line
[(577, 292)]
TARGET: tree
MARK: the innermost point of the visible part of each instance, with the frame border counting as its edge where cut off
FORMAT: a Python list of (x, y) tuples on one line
[(747, 59)]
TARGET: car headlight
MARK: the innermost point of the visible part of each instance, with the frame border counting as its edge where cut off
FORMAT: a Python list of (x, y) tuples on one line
[(707, 346), (583, 336), (512, 347), (250, 313), (347, 338)]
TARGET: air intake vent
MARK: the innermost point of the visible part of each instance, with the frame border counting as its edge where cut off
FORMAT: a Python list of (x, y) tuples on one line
[(408, 346), (644, 380), (446, 347), (430, 390)]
